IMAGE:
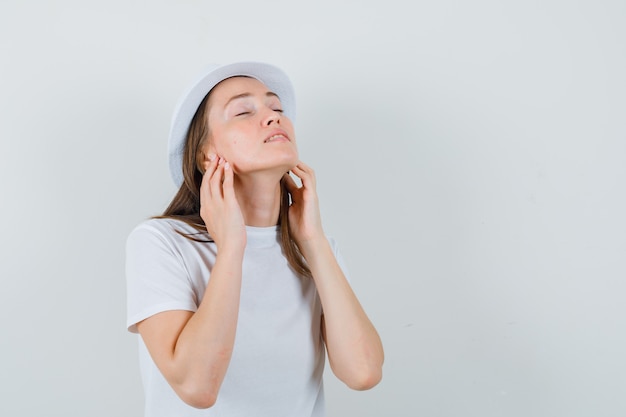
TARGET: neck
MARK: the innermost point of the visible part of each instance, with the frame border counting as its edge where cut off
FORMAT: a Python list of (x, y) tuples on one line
[(259, 199)]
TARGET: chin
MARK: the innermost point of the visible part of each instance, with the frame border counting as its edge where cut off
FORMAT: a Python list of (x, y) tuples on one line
[(281, 161), (280, 166), (288, 165), (288, 160), (292, 165)]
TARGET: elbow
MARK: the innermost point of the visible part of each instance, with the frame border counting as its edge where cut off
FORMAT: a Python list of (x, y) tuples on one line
[(198, 398), (366, 379), (201, 401), (199, 388), (368, 372), (362, 372)]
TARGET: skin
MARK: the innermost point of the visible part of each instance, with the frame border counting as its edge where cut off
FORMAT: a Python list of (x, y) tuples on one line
[(241, 186)]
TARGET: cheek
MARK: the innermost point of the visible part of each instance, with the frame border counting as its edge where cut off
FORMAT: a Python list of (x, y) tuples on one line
[(221, 143), (231, 149)]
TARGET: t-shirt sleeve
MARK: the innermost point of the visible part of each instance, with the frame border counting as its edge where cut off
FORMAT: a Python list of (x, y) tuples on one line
[(340, 260), (156, 278)]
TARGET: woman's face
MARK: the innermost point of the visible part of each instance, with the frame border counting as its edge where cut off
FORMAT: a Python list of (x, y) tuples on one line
[(247, 127)]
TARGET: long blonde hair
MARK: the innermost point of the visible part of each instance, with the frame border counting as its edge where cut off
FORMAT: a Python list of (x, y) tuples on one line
[(185, 206)]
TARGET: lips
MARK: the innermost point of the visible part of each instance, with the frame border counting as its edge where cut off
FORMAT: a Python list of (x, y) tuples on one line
[(277, 136)]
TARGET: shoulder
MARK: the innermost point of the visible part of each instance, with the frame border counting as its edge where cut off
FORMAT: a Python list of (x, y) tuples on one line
[(162, 233), (163, 226), (168, 229)]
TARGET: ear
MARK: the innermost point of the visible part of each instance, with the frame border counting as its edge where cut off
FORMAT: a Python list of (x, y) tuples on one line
[(203, 157), (204, 151)]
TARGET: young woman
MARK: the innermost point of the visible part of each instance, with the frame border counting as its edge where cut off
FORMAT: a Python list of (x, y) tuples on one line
[(236, 290)]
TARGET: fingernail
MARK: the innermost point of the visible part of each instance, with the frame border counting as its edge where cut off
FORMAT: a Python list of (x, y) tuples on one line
[(221, 161), (226, 165), (211, 157)]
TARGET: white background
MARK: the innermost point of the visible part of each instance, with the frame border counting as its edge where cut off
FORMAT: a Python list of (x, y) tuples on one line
[(470, 160)]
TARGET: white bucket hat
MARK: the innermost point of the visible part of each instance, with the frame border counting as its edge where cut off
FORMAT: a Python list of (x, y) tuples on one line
[(274, 78)]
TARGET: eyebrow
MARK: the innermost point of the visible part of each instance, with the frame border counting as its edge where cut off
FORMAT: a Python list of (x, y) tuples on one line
[(244, 95)]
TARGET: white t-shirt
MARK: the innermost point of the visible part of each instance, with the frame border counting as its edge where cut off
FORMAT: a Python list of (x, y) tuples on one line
[(278, 357)]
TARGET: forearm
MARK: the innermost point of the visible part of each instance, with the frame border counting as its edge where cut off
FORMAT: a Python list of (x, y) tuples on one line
[(203, 350), (354, 347)]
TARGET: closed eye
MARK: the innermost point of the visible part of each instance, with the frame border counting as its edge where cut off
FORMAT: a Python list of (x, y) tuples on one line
[(242, 113)]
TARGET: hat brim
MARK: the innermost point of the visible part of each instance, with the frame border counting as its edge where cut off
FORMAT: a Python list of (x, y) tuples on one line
[(274, 78)]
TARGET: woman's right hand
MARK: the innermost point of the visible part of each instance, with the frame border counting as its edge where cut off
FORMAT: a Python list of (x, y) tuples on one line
[(193, 349), (219, 207)]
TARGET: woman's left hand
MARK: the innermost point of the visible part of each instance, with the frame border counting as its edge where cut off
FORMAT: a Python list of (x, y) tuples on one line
[(354, 349), (304, 213)]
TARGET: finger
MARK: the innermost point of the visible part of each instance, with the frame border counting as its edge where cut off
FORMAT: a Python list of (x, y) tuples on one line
[(210, 167), (304, 166), (211, 159), (306, 174), (303, 169), (216, 180), (229, 189)]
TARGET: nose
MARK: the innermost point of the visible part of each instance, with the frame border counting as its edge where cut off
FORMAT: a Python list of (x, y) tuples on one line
[(273, 117)]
